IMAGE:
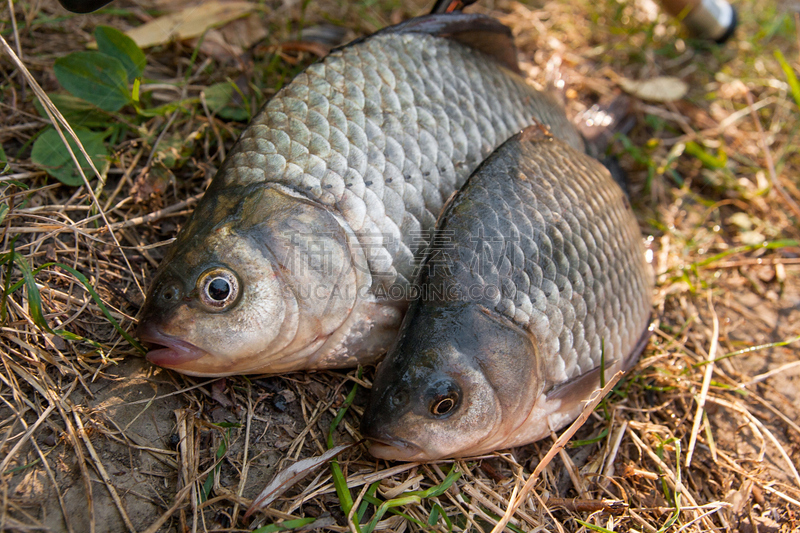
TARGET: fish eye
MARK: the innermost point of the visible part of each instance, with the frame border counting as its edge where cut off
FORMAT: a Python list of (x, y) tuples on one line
[(218, 288), (446, 397)]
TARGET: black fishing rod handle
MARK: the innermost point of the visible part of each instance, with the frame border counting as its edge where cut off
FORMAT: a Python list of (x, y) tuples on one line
[(83, 6)]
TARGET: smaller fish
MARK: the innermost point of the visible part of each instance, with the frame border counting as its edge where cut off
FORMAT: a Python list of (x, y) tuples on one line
[(537, 272)]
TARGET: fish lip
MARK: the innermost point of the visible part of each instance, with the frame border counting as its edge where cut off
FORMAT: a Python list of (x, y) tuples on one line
[(395, 449), (166, 350)]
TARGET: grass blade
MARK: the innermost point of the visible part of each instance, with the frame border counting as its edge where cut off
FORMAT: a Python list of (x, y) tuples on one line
[(286, 525), (791, 77), (339, 481)]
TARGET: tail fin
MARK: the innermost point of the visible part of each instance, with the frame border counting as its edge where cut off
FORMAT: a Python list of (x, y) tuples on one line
[(599, 124)]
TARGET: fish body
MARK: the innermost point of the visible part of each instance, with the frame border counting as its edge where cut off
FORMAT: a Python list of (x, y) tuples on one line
[(301, 253), (536, 270)]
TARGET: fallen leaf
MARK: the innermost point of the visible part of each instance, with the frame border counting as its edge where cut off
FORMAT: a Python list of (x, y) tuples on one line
[(245, 32), (189, 22), (660, 90), (289, 477), (230, 41)]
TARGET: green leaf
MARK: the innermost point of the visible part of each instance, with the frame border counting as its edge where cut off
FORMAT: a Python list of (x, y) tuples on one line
[(34, 297), (77, 111), (692, 148), (286, 525), (3, 161), (389, 504), (137, 84), (95, 77), (339, 481), (219, 97), (579, 443), (163, 110), (116, 44), (51, 155)]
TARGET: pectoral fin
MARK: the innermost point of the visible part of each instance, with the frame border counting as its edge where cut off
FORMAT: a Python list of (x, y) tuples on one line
[(580, 387)]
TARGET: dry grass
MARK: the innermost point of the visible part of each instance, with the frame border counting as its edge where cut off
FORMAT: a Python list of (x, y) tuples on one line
[(703, 435)]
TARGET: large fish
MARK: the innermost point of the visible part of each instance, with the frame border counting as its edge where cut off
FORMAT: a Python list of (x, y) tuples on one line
[(300, 254), (537, 269)]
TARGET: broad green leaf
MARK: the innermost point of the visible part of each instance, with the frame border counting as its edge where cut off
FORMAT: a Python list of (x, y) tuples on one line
[(77, 111), (95, 77), (50, 154), (116, 44), (219, 98)]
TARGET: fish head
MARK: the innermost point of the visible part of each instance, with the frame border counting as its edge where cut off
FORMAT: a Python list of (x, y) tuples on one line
[(229, 297), (459, 379)]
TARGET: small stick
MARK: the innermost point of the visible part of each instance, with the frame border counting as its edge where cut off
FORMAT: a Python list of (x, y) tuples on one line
[(103, 473), (577, 482), (763, 429), (781, 495), (155, 526), (20, 75), (21, 442), (674, 483), (161, 213), (776, 412), (761, 377), (351, 517), (608, 471), (245, 460), (554, 449), (709, 372), (582, 505)]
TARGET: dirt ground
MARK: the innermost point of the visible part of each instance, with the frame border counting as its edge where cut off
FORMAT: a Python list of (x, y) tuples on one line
[(94, 438)]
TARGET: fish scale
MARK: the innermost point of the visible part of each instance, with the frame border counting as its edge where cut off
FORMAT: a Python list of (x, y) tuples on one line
[(559, 272), (542, 274), (406, 91)]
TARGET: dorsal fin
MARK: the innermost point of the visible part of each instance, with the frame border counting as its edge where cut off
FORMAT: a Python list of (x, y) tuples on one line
[(474, 30)]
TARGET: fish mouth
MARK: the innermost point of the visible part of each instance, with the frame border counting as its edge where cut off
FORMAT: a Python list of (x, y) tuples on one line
[(165, 350), (394, 449)]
